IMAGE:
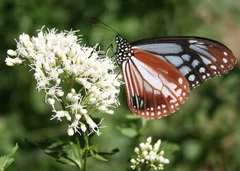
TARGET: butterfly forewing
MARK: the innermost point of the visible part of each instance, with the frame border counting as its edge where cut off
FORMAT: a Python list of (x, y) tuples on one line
[(198, 59)]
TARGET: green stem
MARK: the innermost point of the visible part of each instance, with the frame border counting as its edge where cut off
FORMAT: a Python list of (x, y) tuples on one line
[(83, 155), (79, 152), (86, 150), (143, 123)]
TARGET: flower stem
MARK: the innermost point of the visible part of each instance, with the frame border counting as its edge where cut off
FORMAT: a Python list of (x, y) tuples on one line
[(85, 151), (79, 153)]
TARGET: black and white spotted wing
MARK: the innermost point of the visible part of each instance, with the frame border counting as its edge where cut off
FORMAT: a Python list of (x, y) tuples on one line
[(198, 59)]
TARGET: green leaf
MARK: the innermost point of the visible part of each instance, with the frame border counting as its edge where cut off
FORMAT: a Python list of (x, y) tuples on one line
[(97, 156), (114, 151), (169, 148), (93, 148), (128, 131), (6, 160), (65, 153)]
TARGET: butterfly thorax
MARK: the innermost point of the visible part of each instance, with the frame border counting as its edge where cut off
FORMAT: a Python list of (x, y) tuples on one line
[(124, 50)]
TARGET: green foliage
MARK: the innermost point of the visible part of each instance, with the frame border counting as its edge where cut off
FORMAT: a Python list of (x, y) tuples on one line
[(8, 159), (203, 134), (71, 153), (64, 152)]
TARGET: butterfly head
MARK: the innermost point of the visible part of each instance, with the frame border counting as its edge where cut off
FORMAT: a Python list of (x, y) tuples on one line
[(124, 50)]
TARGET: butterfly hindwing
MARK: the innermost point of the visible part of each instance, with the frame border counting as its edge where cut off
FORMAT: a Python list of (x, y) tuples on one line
[(154, 87)]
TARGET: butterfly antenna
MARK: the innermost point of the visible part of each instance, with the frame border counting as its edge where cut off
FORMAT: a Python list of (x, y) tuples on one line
[(97, 22)]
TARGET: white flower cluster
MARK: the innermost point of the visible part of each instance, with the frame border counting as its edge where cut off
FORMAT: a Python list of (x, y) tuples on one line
[(76, 76), (149, 156)]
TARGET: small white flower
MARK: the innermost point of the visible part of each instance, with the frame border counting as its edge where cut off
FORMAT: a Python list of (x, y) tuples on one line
[(109, 112), (60, 114), (149, 140), (70, 131), (92, 100), (13, 61), (136, 150), (146, 155), (83, 127), (74, 127), (51, 101), (12, 53), (142, 145), (60, 64), (92, 125), (78, 116), (157, 146)]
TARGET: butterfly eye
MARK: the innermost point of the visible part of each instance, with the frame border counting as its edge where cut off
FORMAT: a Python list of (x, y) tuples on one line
[(160, 72)]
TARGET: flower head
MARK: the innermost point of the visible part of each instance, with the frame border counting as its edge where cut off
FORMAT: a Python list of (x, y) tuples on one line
[(149, 156), (72, 74)]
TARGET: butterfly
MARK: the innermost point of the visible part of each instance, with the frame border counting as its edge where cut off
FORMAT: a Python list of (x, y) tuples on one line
[(159, 73)]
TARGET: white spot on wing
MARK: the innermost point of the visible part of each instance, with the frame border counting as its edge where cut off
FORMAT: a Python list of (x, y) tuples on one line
[(179, 92), (186, 57), (162, 48), (195, 63), (167, 93), (202, 70), (213, 67), (172, 86), (185, 70), (180, 80), (202, 46), (224, 60), (175, 60), (191, 77), (192, 41), (203, 52), (205, 60)]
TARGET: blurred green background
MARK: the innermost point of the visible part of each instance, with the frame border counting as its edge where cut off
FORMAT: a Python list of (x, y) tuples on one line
[(206, 128)]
